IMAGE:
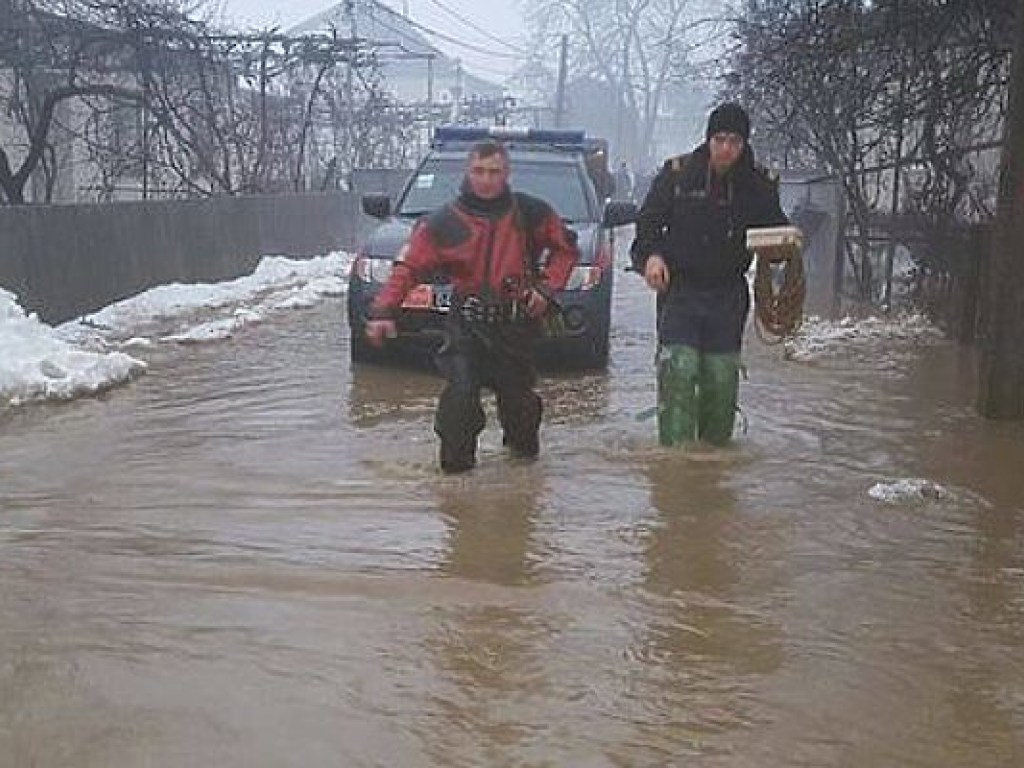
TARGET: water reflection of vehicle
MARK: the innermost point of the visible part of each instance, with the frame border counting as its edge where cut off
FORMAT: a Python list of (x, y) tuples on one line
[(376, 395), (546, 164), (575, 399)]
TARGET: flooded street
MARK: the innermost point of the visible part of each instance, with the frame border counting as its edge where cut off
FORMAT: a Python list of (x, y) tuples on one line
[(247, 557)]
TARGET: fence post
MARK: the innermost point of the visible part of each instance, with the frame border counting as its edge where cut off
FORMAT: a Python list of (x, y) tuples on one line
[(970, 286), (839, 265)]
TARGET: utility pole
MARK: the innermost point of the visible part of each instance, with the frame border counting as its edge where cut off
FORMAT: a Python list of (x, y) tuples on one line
[(430, 97), (890, 254), (1001, 391), (457, 92), (350, 111), (563, 57)]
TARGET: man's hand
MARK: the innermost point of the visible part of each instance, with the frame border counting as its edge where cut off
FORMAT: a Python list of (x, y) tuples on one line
[(656, 273), (536, 305), (379, 330)]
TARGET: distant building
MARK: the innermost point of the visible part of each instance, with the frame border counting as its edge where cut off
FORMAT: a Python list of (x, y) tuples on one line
[(414, 70), (102, 152), (69, 171)]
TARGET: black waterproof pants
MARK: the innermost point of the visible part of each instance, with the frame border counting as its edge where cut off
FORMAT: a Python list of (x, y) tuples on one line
[(500, 358)]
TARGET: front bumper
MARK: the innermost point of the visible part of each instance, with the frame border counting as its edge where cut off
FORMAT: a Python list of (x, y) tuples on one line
[(584, 318)]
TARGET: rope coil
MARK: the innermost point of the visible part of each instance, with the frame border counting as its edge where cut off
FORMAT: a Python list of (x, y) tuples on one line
[(780, 286)]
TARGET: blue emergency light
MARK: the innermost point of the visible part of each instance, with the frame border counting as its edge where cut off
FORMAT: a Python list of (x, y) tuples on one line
[(448, 135)]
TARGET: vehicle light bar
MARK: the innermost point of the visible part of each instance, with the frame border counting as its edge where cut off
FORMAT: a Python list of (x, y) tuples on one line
[(447, 135)]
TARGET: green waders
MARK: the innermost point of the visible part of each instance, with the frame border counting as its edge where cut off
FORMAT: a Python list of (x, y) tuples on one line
[(718, 387), (697, 395), (678, 371)]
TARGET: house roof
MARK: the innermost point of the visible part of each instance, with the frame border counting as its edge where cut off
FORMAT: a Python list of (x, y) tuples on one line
[(370, 20), (374, 22)]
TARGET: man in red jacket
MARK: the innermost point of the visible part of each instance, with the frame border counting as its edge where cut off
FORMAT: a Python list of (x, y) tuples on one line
[(487, 241)]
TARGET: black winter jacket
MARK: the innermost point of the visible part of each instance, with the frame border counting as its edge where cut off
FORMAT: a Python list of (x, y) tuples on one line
[(704, 240)]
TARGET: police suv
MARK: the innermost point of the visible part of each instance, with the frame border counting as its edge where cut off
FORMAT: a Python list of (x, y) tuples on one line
[(549, 164)]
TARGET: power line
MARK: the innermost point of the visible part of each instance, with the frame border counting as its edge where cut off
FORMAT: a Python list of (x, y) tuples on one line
[(472, 25), (385, 22), (463, 43)]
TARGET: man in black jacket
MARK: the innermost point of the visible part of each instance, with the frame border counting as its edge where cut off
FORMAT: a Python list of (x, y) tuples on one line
[(690, 247)]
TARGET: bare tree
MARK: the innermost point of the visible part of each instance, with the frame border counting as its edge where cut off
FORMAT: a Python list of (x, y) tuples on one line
[(1001, 394), (48, 60), (165, 103), (898, 98), (640, 49)]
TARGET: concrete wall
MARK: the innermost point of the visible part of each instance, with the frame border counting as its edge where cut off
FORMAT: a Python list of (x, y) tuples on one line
[(66, 260)]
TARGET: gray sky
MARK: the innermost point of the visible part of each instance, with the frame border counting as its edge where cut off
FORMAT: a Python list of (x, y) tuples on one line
[(501, 19)]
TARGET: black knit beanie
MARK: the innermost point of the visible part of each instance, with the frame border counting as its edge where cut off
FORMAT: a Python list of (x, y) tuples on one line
[(728, 118)]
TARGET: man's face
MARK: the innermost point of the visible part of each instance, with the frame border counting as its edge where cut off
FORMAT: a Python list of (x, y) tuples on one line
[(487, 176), (725, 149)]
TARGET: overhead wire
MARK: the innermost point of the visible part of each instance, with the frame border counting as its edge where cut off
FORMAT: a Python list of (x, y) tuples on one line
[(461, 43), (477, 28), (383, 21)]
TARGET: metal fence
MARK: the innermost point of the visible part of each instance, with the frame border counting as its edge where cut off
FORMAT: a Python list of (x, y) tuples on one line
[(66, 260), (815, 203)]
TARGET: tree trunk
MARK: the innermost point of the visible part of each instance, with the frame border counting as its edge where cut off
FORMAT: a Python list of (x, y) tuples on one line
[(1001, 393)]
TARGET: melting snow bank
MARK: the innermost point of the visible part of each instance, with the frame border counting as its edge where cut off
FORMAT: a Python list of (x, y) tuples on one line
[(822, 338), (38, 362), (36, 365), (213, 311)]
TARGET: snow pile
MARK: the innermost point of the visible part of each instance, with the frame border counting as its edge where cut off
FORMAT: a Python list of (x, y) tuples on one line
[(82, 357), (821, 338), (213, 311), (37, 365)]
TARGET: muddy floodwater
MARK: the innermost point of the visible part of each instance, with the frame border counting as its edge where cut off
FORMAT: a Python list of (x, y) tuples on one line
[(247, 557)]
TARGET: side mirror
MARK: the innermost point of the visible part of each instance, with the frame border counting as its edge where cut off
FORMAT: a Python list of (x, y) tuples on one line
[(378, 206), (619, 212)]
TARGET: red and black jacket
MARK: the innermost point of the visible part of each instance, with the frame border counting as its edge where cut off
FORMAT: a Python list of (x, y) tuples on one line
[(488, 248)]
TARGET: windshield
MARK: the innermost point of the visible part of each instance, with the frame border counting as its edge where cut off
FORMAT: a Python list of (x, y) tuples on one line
[(560, 185)]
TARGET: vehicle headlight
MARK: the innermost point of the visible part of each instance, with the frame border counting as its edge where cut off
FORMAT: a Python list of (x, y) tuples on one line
[(372, 270), (584, 277)]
